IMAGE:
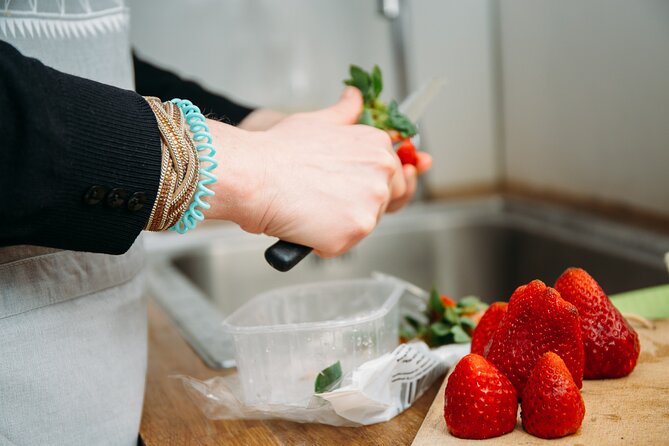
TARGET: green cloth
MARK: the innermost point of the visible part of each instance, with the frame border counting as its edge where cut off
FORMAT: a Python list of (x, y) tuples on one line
[(651, 303)]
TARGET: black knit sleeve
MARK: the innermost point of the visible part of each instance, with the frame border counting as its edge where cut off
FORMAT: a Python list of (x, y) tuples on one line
[(79, 160), (153, 81)]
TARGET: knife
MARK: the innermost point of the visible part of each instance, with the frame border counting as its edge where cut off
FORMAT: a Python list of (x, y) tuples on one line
[(283, 255)]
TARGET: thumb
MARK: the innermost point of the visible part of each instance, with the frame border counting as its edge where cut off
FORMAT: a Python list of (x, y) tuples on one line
[(346, 110)]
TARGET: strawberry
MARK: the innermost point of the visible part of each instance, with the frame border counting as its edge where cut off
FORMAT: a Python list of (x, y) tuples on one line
[(394, 135), (407, 152), (611, 345), (479, 401), (487, 326), (552, 406), (537, 320), (447, 301)]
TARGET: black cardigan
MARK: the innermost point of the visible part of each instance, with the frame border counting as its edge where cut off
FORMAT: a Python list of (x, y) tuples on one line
[(80, 160)]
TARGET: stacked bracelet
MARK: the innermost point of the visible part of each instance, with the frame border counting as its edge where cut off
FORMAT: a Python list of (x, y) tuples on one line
[(184, 173), (207, 163)]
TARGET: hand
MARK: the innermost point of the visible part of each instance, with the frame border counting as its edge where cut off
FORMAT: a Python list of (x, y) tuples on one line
[(264, 119), (261, 119), (313, 178)]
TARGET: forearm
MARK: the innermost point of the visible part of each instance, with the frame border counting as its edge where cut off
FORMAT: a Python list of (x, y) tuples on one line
[(311, 178), (261, 119), (62, 135)]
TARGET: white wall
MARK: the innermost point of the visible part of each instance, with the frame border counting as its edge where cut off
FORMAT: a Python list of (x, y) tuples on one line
[(293, 55), (572, 94), (288, 54), (453, 38), (586, 98)]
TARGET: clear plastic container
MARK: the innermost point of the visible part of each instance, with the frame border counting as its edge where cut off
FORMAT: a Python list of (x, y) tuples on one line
[(283, 338)]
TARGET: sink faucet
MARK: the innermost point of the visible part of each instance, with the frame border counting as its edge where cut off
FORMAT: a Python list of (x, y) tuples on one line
[(391, 10), (395, 12)]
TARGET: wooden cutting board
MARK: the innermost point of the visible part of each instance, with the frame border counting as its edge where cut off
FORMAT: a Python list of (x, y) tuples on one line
[(627, 411)]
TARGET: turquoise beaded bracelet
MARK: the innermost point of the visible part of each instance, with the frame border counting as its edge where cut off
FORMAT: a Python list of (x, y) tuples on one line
[(203, 143)]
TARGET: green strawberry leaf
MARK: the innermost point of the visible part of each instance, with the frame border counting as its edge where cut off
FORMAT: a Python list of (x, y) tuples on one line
[(411, 321), (422, 331), (469, 301), (434, 303), (377, 81), (440, 329), (359, 78), (329, 378), (467, 322), (375, 112), (362, 81), (459, 335), (408, 331), (399, 122), (450, 315), (366, 117)]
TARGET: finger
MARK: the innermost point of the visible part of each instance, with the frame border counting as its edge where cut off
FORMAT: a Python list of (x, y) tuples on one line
[(345, 111), (344, 250), (424, 162), (398, 184), (410, 176)]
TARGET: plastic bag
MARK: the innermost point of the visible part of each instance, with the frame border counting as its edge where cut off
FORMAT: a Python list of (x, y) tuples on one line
[(376, 391)]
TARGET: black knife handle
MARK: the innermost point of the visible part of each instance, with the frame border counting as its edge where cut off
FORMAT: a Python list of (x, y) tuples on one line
[(283, 256)]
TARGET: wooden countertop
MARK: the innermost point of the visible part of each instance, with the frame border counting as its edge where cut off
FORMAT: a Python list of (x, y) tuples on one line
[(170, 418)]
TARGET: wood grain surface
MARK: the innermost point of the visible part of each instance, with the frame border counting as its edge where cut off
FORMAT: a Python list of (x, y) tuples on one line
[(627, 411), (170, 418)]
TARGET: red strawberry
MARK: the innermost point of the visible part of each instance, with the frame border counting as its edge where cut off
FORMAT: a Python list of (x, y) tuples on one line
[(487, 326), (611, 345), (537, 320), (447, 301), (407, 152), (552, 406), (479, 401)]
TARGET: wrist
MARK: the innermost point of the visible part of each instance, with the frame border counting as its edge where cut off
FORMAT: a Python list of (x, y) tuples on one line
[(241, 174)]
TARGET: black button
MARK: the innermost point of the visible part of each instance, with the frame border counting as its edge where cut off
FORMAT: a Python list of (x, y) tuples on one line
[(136, 201), (117, 197), (94, 195)]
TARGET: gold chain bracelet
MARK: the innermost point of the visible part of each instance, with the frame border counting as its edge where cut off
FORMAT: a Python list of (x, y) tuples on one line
[(179, 171)]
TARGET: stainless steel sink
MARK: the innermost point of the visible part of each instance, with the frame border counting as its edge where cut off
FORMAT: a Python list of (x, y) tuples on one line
[(485, 247)]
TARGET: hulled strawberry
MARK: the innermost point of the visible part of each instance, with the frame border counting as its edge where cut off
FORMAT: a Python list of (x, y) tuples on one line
[(611, 345), (479, 401), (407, 152), (552, 405), (537, 321), (487, 326)]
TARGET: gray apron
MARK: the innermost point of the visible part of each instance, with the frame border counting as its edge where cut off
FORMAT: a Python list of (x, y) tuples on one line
[(72, 325)]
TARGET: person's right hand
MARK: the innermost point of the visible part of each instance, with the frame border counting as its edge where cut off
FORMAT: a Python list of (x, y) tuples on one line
[(314, 178)]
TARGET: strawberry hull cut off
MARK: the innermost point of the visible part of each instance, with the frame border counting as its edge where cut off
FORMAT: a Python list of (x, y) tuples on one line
[(611, 344), (487, 327), (552, 405), (537, 321), (479, 401)]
